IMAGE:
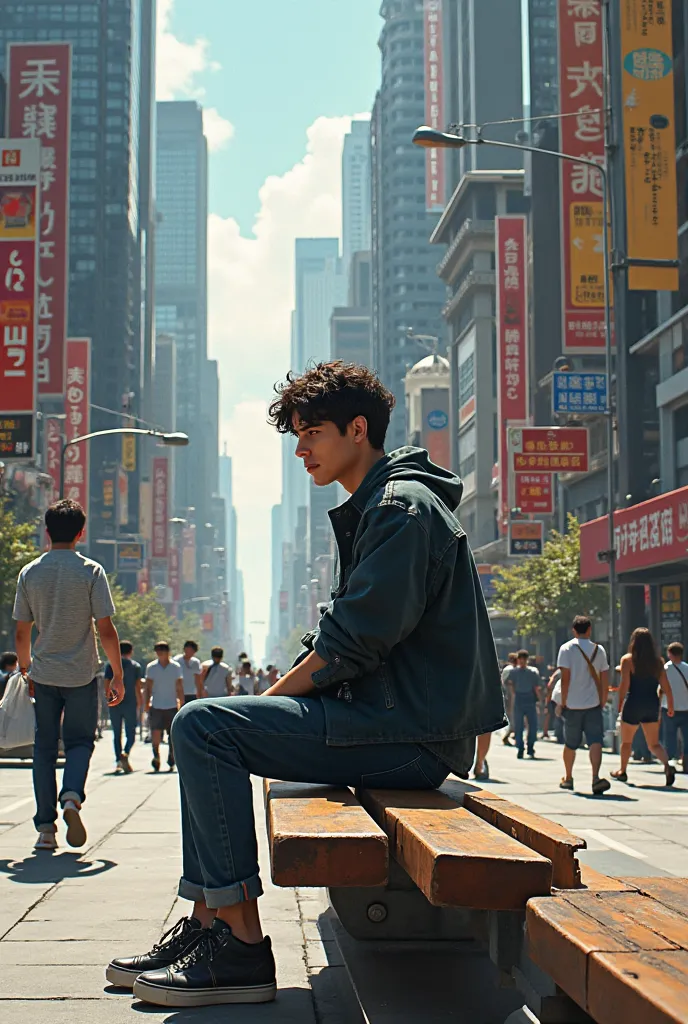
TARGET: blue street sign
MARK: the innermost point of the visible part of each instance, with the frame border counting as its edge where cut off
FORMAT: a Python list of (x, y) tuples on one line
[(437, 419), (584, 394)]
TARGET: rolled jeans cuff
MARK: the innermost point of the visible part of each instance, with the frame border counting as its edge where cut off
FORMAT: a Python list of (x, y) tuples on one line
[(227, 896)]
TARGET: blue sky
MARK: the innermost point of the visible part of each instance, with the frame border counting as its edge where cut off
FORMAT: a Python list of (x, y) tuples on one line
[(279, 82)]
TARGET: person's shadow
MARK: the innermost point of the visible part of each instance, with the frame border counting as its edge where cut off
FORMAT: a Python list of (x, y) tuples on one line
[(45, 867)]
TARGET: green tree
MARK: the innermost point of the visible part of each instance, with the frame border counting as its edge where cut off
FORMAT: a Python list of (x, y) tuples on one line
[(141, 619), (17, 548), (544, 592)]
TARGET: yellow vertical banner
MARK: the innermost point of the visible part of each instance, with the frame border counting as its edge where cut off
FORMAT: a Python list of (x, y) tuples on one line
[(649, 142), (129, 450)]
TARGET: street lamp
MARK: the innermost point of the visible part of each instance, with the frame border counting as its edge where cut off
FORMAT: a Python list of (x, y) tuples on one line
[(172, 440), (431, 138)]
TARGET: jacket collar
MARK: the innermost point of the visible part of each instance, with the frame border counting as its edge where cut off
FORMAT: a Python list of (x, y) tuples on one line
[(367, 487)]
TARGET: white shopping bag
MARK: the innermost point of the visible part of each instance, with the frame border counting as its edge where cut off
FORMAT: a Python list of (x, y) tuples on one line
[(17, 718)]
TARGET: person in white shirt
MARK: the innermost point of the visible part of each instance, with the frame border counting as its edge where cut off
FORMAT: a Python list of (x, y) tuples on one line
[(191, 671), (677, 675), (216, 680), (164, 697), (584, 690), (246, 682)]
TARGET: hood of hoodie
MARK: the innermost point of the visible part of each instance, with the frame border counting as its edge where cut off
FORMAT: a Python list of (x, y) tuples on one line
[(412, 464)]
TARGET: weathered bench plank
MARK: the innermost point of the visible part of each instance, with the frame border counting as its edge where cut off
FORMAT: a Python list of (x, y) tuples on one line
[(597, 882), (553, 841), (455, 858), (650, 988), (321, 836), (670, 892)]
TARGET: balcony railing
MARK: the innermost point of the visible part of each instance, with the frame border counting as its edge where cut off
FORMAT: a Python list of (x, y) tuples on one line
[(475, 279), (469, 227)]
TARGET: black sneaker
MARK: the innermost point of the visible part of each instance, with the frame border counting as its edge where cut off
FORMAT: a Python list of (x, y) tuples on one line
[(180, 939), (156, 764), (219, 969)]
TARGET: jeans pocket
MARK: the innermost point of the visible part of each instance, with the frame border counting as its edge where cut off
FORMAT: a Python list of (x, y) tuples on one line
[(409, 775)]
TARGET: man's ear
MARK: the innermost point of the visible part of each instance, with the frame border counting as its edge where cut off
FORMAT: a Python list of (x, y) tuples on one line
[(360, 429)]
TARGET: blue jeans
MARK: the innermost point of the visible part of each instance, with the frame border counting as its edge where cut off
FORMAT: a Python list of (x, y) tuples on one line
[(79, 704), (525, 707), (123, 714), (671, 730), (219, 742)]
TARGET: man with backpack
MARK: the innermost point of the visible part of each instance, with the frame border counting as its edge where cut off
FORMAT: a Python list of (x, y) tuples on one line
[(584, 690), (677, 675)]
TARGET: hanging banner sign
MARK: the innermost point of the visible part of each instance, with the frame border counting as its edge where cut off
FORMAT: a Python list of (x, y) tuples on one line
[(435, 166), (526, 538), (53, 449), (549, 449), (78, 420), (534, 494), (649, 142), (160, 514)]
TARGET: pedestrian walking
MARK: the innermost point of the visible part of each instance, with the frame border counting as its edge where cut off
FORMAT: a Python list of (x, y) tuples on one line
[(63, 593), (271, 677), (584, 690), (352, 710), (508, 698), (192, 671), (164, 697), (246, 682), (524, 683), (216, 678), (126, 713), (642, 677), (677, 676)]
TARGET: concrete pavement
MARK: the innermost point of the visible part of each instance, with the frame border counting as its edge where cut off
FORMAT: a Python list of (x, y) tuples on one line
[(64, 915)]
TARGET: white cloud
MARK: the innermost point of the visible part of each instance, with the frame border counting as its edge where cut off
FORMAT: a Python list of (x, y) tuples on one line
[(251, 296), (217, 129), (178, 64)]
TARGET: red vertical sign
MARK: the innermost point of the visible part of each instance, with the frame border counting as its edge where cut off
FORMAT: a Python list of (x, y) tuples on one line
[(78, 419), (160, 514), (512, 339), (53, 449), (434, 103), (581, 91), (39, 107)]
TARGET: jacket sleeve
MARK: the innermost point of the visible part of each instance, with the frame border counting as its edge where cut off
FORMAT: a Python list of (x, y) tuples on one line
[(384, 599)]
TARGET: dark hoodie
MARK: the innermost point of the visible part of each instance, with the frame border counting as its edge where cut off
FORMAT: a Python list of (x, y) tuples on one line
[(407, 640)]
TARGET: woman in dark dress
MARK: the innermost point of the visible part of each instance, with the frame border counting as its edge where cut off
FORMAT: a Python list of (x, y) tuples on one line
[(642, 677)]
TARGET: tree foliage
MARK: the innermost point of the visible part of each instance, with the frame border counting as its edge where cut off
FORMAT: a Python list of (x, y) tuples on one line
[(17, 549), (544, 592), (143, 620)]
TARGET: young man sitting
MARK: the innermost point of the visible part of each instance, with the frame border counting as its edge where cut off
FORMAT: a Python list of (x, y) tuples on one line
[(398, 679)]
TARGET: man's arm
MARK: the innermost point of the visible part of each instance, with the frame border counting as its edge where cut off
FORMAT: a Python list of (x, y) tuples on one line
[(180, 692), (149, 693), (384, 599), (298, 681), (198, 681), (604, 687), (22, 641), (565, 680), (110, 642)]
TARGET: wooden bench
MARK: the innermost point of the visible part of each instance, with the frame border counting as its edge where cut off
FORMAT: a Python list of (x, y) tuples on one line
[(621, 955)]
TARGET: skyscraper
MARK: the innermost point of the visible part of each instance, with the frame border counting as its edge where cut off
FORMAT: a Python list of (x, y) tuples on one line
[(355, 192), (320, 285), (541, 50), (181, 278), (406, 290)]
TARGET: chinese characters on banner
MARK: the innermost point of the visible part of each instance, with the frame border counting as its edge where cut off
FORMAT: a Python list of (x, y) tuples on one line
[(526, 538), (159, 547), (581, 90), (39, 107), (53, 450), (649, 141), (434, 103), (512, 339), (651, 533), (534, 493), (78, 419), (549, 449), (19, 176), (173, 576)]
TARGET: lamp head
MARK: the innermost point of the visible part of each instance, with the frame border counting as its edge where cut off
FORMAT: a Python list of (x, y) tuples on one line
[(175, 440), (431, 138)]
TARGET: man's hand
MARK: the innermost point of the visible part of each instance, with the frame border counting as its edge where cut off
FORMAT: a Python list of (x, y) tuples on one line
[(115, 693), (298, 681)]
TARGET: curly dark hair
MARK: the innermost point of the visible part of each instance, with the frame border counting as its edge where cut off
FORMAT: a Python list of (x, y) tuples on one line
[(337, 392)]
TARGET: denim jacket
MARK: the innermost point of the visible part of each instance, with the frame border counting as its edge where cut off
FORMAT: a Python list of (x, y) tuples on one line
[(407, 639)]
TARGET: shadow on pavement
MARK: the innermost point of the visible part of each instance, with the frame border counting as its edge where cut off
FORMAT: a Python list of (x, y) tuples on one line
[(291, 1005), (49, 867), (604, 797)]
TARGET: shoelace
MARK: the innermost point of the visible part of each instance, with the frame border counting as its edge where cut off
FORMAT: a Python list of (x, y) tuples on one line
[(205, 950), (175, 932)]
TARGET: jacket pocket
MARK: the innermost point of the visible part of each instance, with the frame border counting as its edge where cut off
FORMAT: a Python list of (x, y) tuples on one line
[(387, 686)]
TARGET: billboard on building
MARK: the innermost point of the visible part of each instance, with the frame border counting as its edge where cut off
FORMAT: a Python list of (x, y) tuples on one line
[(526, 538), (77, 402), (19, 215), (159, 546), (512, 339), (534, 493), (581, 91), (549, 449), (435, 172), (649, 142), (38, 107)]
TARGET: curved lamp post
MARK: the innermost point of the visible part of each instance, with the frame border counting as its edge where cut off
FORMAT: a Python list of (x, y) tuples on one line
[(174, 440)]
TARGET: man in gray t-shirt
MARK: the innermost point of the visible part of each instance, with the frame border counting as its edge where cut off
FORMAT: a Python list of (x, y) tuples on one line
[(524, 682), (62, 594), (164, 697)]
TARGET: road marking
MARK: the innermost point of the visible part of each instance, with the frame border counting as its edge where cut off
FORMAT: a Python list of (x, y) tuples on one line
[(611, 844), (13, 807)]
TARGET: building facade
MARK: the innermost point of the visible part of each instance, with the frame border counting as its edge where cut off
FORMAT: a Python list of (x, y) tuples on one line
[(356, 179)]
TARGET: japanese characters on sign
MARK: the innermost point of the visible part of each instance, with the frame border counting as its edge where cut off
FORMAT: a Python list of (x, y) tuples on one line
[(53, 450), (579, 393), (649, 141), (651, 533), (159, 547), (19, 198), (549, 449), (39, 107), (526, 538), (434, 103), (581, 90), (534, 493), (512, 338), (174, 573), (78, 419)]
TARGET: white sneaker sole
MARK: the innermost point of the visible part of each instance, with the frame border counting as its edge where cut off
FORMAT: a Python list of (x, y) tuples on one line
[(76, 831), (159, 996), (120, 978)]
